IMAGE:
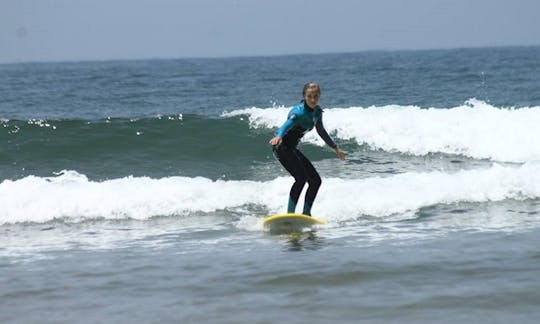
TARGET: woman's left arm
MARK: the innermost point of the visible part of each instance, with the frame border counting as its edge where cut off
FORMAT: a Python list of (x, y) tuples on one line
[(328, 140)]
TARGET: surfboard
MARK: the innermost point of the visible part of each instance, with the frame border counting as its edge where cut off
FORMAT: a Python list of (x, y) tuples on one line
[(290, 223)]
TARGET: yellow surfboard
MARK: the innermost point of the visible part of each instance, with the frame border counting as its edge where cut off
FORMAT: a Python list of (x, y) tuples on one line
[(288, 223)]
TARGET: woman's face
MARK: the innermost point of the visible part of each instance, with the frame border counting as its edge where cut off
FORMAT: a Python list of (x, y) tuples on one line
[(312, 97)]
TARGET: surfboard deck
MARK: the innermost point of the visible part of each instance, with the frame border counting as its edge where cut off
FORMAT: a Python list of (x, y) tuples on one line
[(290, 223)]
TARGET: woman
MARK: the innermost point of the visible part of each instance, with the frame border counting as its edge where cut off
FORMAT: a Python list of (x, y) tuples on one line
[(301, 119)]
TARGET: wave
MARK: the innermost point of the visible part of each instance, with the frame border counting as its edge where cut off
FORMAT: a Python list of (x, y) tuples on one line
[(475, 129), (170, 137), (72, 197)]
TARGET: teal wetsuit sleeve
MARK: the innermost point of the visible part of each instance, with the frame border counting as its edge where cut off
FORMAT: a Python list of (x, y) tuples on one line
[(324, 134), (285, 127)]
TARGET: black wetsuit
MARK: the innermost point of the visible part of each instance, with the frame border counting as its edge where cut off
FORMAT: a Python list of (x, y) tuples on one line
[(301, 119)]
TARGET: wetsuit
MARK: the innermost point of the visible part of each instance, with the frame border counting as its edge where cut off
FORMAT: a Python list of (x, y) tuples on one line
[(300, 120)]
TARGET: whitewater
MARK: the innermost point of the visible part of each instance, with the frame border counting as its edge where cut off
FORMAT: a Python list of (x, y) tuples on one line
[(71, 197), (475, 129)]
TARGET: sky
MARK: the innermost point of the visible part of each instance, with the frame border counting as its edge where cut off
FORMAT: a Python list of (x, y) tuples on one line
[(74, 30)]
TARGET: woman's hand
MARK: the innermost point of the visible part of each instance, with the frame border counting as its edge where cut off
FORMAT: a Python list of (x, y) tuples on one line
[(276, 140), (340, 154)]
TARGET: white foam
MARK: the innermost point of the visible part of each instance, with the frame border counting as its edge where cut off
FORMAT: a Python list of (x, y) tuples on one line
[(72, 197), (475, 129), (406, 193)]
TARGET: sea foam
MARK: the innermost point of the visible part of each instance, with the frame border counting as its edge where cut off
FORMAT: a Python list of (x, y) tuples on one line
[(72, 197), (475, 129)]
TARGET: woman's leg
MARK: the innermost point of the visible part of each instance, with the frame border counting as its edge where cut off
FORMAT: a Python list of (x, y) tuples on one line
[(314, 181), (292, 162)]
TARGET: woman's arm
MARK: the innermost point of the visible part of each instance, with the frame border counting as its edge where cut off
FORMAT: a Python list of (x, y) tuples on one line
[(282, 131), (328, 140), (285, 127), (324, 134)]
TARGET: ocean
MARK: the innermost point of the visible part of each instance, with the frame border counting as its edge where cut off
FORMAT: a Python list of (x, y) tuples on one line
[(133, 191)]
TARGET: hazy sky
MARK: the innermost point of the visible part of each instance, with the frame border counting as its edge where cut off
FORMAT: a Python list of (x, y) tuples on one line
[(57, 30)]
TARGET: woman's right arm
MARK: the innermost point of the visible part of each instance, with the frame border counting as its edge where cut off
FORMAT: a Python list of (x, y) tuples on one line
[(285, 127), (282, 131)]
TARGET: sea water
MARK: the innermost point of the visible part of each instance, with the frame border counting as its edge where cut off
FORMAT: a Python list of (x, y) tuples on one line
[(133, 191)]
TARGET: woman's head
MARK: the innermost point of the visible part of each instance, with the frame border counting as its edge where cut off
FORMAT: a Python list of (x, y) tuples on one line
[(311, 94)]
